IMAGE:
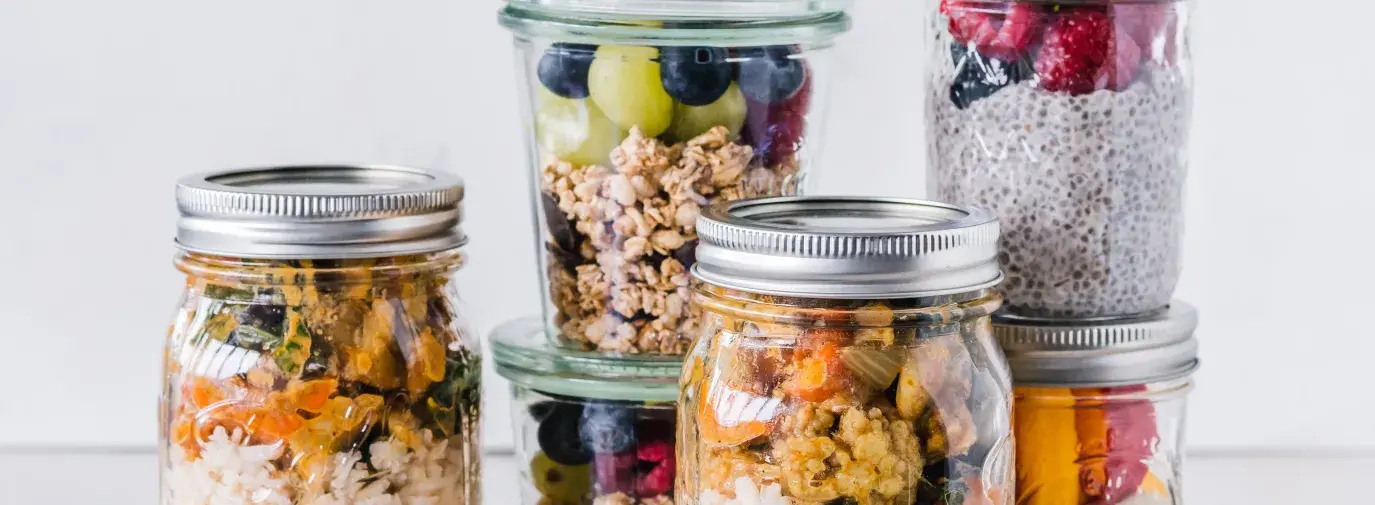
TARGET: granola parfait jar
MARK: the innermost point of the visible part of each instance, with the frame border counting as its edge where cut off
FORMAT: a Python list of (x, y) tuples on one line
[(846, 356), (639, 113), (317, 355), (1100, 407), (591, 429), (1070, 120)]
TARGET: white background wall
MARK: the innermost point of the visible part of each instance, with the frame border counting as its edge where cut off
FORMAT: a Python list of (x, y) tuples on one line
[(103, 104)]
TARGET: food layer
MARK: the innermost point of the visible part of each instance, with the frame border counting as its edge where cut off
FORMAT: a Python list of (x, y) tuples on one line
[(600, 452)]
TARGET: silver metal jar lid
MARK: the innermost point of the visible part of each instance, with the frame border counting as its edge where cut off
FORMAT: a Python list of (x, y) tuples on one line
[(320, 212), (1101, 353), (847, 247)]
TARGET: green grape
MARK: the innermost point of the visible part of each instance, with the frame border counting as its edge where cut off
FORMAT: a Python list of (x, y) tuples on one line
[(575, 130), (727, 111), (624, 82)]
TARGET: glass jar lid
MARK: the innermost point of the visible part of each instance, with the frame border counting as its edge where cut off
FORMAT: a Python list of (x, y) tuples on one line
[(320, 212), (525, 355), (1100, 353), (847, 247), (678, 22)]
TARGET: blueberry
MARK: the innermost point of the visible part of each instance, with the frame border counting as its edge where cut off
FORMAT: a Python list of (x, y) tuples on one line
[(770, 74), (607, 428), (558, 436), (978, 76), (563, 69), (695, 76)]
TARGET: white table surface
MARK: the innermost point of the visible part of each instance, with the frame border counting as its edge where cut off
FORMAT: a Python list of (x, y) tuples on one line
[(43, 478)]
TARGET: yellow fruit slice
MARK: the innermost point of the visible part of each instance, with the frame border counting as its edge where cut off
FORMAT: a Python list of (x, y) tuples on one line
[(1047, 447)]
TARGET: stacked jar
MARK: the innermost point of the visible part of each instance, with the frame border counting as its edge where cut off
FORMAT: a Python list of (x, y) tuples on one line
[(638, 115), (1070, 120), (846, 356), (318, 355)]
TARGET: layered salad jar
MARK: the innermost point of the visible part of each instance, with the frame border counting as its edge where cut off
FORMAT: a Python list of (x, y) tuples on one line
[(640, 113), (590, 428), (846, 356), (1100, 407), (318, 355), (1071, 121)]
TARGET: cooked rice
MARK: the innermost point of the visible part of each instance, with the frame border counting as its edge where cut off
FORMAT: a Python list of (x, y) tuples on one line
[(747, 493)]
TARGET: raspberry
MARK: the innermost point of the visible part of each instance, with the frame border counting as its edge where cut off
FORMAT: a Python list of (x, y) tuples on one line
[(655, 451), (1076, 44), (1123, 61), (1142, 21), (1003, 35), (658, 481), (615, 473)]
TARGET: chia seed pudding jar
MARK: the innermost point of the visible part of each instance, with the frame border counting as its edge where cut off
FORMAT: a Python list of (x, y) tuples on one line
[(1100, 407), (1071, 121), (639, 113), (590, 428), (317, 355), (846, 356)]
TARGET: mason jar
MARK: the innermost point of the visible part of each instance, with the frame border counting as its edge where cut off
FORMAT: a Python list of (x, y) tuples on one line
[(1100, 407), (590, 429), (1070, 120), (318, 355), (846, 356), (637, 115)]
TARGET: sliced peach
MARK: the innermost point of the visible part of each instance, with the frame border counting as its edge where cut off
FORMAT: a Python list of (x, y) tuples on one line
[(718, 432), (1047, 447)]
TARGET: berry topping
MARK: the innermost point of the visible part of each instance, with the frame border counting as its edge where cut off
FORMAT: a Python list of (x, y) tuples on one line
[(1075, 45), (1123, 60), (978, 77), (1142, 21), (559, 438), (775, 130), (695, 75), (770, 74), (607, 428), (615, 473), (998, 34), (563, 69), (659, 479)]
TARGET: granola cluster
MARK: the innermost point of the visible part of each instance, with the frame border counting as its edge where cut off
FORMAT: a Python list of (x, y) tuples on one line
[(622, 238)]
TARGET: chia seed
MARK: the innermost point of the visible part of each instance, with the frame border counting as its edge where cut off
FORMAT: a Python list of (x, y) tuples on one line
[(1088, 188)]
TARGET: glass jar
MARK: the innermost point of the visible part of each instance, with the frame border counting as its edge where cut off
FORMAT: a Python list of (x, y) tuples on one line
[(1100, 407), (638, 114), (318, 355), (1070, 120), (590, 428), (846, 356)]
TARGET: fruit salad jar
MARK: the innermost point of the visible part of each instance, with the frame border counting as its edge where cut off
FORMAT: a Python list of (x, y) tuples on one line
[(846, 356), (590, 428), (640, 113), (1100, 407), (1070, 120), (317, 355)]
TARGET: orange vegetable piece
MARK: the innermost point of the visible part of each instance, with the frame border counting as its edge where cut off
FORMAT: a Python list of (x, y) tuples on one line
[(201, 392), (977, 495), (1047, 447), (717, 433), (819, 374), (311, 395)]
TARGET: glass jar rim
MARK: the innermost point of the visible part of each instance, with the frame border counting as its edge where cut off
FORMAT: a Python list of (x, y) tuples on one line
[(525, 354), (592, 27)]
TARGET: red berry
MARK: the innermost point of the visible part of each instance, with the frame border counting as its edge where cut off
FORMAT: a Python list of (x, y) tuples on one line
[(615, 473), (1115, 470), (658, 481), (1142, 21), (1123, 61), (655, 451), (1000, 34), (775, 130), (1076, 44)]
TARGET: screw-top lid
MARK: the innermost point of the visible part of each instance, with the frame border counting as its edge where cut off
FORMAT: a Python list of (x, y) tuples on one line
[(319, 212), (847, 247), (525, 355), (1100, 353)]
